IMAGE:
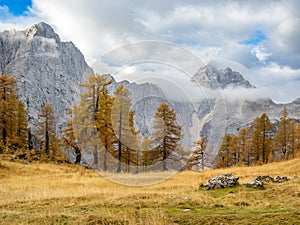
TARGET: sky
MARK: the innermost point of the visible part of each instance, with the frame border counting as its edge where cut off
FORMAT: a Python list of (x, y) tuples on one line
[(260, 39)]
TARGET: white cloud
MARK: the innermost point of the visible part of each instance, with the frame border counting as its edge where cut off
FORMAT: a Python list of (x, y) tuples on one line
[(208, 28), (261, 53)]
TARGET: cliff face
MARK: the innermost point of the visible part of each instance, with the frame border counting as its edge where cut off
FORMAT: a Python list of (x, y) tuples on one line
[(47, 69)]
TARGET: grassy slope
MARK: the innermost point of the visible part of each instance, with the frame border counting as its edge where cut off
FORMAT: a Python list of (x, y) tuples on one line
[(66, 194)]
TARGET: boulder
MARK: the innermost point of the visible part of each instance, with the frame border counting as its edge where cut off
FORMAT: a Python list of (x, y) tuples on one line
[(280, 179), (255, 183), (265, 178), (221, 181)]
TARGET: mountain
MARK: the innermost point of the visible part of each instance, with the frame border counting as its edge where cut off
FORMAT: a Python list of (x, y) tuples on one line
[(212, 77), (49, 69), (214, 115), (46, 68)]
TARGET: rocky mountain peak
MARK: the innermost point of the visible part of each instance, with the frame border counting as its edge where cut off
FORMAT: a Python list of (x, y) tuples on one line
[(42, 30), (212, 77), (47, 69)]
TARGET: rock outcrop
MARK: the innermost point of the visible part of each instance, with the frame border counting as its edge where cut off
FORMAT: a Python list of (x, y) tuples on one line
[(211, 77), (221, 181), (258, 182), (254, 183)]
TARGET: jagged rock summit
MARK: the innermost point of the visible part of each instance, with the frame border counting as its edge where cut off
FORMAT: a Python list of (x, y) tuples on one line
[(46, 68), (42, 30), (212, 77)]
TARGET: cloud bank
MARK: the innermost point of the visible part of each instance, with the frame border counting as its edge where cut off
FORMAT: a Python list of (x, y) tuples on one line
[(262, 36)]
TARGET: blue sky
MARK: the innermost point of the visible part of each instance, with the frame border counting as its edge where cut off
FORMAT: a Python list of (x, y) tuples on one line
[(259, 35), (16, 7)]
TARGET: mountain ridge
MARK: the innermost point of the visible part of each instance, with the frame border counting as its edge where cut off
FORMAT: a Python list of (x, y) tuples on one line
[(48, 70)]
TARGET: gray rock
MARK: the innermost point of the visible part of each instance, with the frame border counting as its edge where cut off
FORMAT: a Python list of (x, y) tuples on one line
[(212, 77), (265, 178), (281, 179), (254, 183), (221, 181)]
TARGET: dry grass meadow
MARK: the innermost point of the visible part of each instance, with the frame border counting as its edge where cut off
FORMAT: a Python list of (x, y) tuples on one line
[(40, 193)]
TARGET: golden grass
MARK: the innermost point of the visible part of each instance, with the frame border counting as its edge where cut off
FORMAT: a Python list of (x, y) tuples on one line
[(40, 193)]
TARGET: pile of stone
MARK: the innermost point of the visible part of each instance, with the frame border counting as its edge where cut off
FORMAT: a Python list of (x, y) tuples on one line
[(280, 179), (254, 183), (258, 182), (221, 181), (229, 180)]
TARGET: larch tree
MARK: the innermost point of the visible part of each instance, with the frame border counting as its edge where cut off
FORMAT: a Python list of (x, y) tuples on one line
[(69, 139), (135, 141), (146, 156), (13, 117), (104, 120), (282, 136), (292, 139), (242, 142), (198, 153), (297, 150), (254, 131), (92, 117), (224, 158), (265, 128), (167, 133), (46, 129), (121, 125)]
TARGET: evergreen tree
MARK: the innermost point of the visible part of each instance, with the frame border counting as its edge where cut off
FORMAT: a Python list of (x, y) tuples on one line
[(167, 133)]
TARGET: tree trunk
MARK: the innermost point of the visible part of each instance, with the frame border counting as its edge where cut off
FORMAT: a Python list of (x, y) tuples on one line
[(78, 156)]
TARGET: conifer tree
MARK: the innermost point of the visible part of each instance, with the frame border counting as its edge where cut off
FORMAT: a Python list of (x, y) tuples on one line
[(92, 120), (13, 118), (234, 151), (121, 125), (297, 150), (146, 157), (46, 129), (167, 133), (104, 120), (198, 154), (254, 130), (135, 141), (224, 156), (242, 140), (265, 128), (69, 139), (282, 136), (292, 139)]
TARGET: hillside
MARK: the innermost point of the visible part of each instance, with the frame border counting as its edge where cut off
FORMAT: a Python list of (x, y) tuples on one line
[(40, 193)]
